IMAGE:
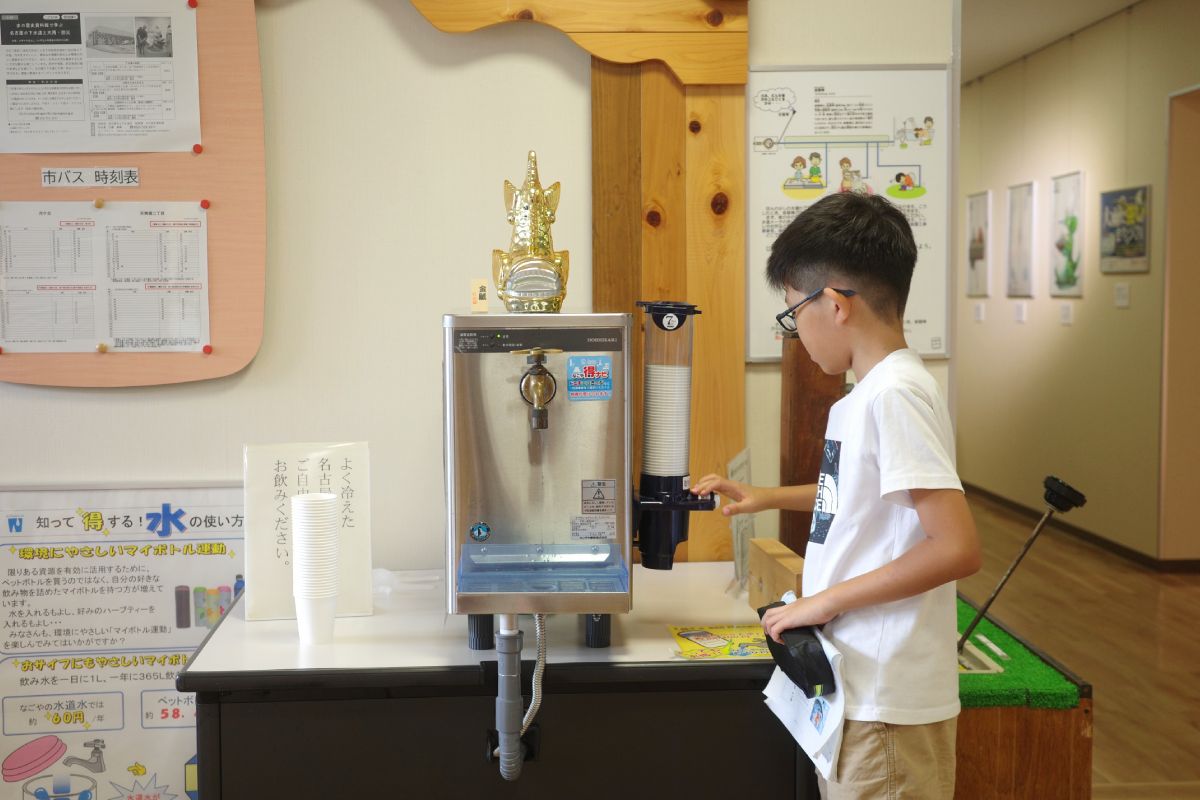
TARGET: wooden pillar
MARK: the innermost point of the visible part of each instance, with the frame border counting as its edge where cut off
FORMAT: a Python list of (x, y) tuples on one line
[(689, 189), (716, 282), (807, 395)]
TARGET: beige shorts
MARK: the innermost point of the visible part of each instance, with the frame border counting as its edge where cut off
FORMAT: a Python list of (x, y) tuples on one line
[(890, 762)]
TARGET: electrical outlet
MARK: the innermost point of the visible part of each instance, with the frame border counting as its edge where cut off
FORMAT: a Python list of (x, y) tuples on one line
[(980, 312), (1066, 313), (1021, 312)]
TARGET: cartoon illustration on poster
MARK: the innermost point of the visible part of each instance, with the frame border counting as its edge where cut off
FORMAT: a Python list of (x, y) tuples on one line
[(105, 595), (872, 131)]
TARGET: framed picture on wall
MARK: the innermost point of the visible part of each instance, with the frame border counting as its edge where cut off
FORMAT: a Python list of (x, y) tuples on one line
[(979, 243), (1125, 230), (1020, 239), (1066, 237)]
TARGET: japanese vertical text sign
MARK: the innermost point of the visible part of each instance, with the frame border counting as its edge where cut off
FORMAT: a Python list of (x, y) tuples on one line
[(105, 595), (273, 474)]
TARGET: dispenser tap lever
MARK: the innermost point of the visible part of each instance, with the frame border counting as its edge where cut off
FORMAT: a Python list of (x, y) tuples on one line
[(538, 388)]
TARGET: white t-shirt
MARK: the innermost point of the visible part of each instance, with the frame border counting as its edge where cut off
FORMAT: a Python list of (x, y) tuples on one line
[(892, 433)]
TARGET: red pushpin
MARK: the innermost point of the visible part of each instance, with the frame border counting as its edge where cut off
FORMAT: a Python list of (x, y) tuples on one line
[(193, 3), (205, 204), (197, 149), (207, 349)]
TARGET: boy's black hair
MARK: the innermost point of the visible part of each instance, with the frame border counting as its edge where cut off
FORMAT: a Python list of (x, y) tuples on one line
[(858, 241)]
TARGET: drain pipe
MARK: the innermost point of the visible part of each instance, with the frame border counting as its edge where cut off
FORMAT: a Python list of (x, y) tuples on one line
[(510, 726), (508, 697)]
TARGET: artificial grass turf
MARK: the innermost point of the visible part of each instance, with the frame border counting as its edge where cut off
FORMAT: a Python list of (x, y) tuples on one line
[(1027, 680)]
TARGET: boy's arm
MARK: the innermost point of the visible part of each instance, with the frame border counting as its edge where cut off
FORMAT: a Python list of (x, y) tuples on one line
[(949, 551), (748, 499)]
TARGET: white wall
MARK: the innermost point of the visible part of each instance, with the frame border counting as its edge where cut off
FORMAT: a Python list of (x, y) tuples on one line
[(806, 32), (386, 153), (1083, 401)]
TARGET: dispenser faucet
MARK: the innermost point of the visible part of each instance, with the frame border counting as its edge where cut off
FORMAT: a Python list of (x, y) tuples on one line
[(538, 388), (95, 763)]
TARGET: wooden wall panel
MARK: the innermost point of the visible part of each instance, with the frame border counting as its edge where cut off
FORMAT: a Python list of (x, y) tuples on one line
[(461, 16), (617, 211), (1025, 753), (716, 282), (696, 58)]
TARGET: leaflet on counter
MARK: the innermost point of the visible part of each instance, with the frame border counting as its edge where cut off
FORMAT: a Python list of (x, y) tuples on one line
[(131, 276), (99, 76)]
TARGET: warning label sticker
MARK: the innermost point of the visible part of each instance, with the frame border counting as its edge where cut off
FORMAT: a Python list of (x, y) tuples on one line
[(598, 497), (593, 526)]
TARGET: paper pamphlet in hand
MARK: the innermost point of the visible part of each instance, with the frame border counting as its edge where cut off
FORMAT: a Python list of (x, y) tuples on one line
[(815, 723), (711, 642), (273, 474)]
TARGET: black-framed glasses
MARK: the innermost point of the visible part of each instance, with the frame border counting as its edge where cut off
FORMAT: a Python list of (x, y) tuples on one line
[(787, 319)]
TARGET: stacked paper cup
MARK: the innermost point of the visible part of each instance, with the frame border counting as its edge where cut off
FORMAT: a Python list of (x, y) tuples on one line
[(666, 419), (315, 565)]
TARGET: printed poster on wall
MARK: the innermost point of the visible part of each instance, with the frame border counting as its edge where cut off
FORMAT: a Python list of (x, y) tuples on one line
[(879, 131), (1124, 230), (1066, 236), (1020, 240), (131, 276), (274, 473), (979, 244), (106, 593), (98, 76)]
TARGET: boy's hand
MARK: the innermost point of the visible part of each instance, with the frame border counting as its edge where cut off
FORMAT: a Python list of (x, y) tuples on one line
[(804, 611), (748, 499)]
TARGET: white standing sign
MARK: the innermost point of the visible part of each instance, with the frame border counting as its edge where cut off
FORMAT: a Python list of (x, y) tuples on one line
[(876, 130), (273, 474)]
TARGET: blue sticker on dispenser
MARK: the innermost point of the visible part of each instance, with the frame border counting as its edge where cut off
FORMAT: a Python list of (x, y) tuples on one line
[(589, 378)]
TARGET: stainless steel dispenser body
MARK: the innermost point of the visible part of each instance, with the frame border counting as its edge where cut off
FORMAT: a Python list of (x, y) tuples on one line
[(538, 477)]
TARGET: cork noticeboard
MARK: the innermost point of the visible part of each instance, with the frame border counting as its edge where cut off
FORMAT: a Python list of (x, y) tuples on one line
[(229, 172)]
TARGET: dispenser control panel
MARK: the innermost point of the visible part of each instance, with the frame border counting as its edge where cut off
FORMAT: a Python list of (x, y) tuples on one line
[(568, 340)]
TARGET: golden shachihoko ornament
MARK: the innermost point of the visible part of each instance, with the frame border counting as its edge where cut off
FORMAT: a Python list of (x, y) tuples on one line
[(531, 276)]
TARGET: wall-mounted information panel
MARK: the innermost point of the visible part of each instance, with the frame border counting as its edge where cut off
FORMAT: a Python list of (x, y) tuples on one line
[(132, 191), (874, 130)]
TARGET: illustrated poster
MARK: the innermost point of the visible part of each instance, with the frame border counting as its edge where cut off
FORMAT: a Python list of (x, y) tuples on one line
[(106, 594), (879, 131), (1124, 230)]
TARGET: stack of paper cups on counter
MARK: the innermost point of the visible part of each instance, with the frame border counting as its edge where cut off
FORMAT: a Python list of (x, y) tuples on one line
[(315, 565)]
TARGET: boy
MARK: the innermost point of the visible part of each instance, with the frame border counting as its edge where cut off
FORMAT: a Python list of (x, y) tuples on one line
[(891, 528)]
